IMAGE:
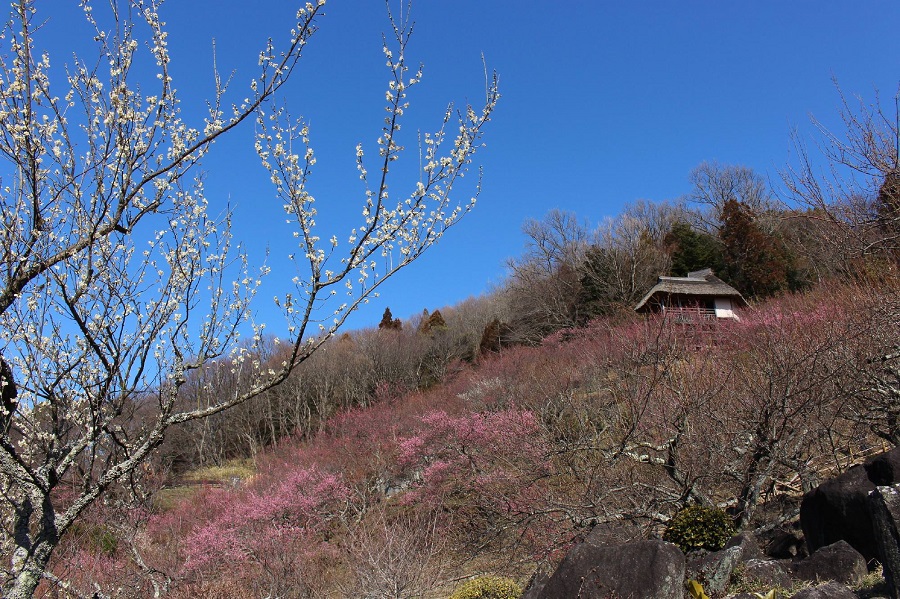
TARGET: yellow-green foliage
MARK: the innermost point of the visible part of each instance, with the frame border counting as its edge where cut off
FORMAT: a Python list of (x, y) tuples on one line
[(698, 527), (696, 590), (229, 472), (488, 587)]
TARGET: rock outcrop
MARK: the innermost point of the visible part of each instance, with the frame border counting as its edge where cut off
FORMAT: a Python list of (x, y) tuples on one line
[(831, 590), (638, 570), (838, 562), (884, 504), (838, 509)]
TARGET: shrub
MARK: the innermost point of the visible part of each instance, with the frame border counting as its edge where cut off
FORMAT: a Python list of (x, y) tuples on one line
[(699, 527), (95, 538), (488, 587)]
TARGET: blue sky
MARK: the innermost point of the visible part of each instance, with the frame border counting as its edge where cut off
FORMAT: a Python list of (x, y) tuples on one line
[(603, 103)]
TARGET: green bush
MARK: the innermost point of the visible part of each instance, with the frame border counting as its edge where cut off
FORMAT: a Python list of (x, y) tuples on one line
[(488, 587), (95, 538), (698, 527)]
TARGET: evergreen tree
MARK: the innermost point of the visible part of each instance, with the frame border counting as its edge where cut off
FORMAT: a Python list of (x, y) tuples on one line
[(755, 262), (388, 322), (433, 322), (495, 337), (692, 250)]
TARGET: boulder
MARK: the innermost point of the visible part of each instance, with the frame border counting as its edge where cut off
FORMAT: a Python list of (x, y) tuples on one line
[(614, 532), (767, 573), (784, 543), (838, 508), (883, 469), (838, 562), (536, 584), (638, 570), (831, 590), (884, 504), (749, 544), (713, 570)]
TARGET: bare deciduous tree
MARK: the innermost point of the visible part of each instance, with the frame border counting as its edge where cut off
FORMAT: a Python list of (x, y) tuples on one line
[(714, 184), (116, 281), (855, 190), (545, 283), (627, 256)]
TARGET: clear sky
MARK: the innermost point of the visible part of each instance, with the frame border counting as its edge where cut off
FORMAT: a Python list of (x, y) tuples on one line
[(603, 103)]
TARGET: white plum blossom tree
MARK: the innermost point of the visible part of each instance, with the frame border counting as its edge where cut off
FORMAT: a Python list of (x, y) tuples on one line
[(117, 282)]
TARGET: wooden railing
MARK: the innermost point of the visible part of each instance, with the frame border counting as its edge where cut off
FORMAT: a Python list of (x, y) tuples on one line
[(690, 315)]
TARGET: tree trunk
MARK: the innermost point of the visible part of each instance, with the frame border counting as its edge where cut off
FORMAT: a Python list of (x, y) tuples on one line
[(31, 568)]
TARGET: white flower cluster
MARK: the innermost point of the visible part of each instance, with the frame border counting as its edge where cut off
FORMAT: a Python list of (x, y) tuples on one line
[(391, 234), (117, 283)]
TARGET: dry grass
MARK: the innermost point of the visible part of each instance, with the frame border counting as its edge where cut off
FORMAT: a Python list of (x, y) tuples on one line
[(231, 472)]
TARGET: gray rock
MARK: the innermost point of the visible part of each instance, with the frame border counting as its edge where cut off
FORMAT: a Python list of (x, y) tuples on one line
[(784, 543), (838, 509), (749, 544), (639, 570), (838, 562), (713, 570), (884, 504), (832, 590), (767, 573), (536, 584)]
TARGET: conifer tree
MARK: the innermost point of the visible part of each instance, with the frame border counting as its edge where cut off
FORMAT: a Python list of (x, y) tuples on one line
[(692, 250), (388, 322), (754, 261), (495, 337), (433, 322)]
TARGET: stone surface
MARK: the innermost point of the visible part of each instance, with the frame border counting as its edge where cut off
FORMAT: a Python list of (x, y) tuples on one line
[(749, 544), (883, 469), (784, 543), (838, 562), (767, 573), (832, 590), (536, 584), (838, 508), (884, 505), (615, 532), (638, 570), (713, 570)]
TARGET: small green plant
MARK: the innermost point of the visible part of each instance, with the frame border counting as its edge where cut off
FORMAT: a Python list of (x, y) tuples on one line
[(699, 527), (872, 583), (96, 538), (488, 587)]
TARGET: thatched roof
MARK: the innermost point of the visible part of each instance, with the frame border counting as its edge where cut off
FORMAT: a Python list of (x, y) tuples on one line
[(701, 283)]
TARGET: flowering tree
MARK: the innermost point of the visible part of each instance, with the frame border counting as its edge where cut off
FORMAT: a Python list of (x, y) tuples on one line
[(117, 283)]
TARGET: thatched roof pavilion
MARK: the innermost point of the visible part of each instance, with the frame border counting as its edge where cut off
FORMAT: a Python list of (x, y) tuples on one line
[(700, 290)]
